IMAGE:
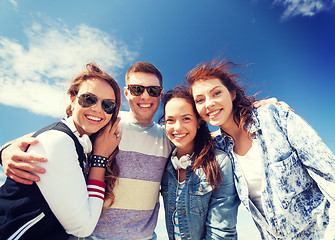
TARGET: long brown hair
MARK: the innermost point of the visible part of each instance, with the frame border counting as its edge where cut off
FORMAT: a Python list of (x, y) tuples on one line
[(203, 142), (93, 72), (243, 104)]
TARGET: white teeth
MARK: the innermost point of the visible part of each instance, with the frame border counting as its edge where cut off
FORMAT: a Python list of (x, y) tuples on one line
[(179, 135), (213, 113), (94, 118), (145, 105)]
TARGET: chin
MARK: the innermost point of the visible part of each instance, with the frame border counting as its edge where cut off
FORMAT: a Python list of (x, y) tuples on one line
[(215, 124)]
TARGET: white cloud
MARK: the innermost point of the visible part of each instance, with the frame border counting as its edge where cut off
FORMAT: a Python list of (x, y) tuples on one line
[(304, 7), (13, 2), (35, 76)]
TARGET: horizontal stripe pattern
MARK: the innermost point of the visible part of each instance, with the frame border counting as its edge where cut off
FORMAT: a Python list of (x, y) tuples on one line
[(96, 189), (140, 166), (149, 139), (176, 220), (125, 224), (143, 153), (136, 194)]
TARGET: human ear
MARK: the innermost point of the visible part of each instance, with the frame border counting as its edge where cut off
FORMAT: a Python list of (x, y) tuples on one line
[(72, 98), (233, 95), (126, 93), (162, 93)]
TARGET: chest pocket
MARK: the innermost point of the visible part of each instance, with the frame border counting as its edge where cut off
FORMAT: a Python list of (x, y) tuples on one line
[(292, 182), (200, 192)]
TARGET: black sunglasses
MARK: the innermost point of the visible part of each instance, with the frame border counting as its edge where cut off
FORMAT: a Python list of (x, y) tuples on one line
[(138, 90), (88, 100)]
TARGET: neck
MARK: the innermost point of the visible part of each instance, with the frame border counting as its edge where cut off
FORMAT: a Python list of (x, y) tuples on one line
[(78, 129), (183, 151), (139, 120), (242, 139), (232, 129)]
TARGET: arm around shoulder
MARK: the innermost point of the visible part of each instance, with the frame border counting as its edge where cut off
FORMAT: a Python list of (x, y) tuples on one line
[(77, 212), (18, 164)]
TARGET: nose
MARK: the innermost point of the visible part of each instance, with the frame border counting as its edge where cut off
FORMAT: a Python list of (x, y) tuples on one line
[(145, 94), (97, 107), (177, 125), (209, 102)]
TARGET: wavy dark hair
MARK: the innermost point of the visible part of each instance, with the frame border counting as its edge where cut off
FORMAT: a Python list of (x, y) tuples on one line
[(243, 104), (204, 156), (93, 72)]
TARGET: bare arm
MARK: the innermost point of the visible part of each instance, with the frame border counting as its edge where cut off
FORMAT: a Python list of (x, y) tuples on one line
[(16, 162)]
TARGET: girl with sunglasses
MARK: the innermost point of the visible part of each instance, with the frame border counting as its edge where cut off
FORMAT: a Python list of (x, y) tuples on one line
[(60, 203), (200, 198), (284, 173)]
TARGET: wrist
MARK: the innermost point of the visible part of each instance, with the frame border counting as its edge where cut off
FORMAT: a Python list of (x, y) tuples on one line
[(98, 161)]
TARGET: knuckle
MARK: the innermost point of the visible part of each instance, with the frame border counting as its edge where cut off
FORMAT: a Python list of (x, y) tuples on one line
[(10, 165), (12, 176), (27, 167)]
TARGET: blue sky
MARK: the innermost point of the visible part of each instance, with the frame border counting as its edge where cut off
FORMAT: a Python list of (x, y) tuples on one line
[(287, 45)]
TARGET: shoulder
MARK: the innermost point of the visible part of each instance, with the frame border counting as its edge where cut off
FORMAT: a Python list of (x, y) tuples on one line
[(52, 138), (159, 127), (225, 166), (123, 114), (124, 117), (222, 158), (272, 115), (271, 110)]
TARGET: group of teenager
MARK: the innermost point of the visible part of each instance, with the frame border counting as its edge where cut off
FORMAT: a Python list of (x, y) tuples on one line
[(98, 173)]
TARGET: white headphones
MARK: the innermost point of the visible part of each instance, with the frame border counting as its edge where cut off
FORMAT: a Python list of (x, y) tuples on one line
[(183, 162), (85, 141)]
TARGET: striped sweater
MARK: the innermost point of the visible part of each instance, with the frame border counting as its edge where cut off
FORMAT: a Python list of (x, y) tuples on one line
[(143, 152)]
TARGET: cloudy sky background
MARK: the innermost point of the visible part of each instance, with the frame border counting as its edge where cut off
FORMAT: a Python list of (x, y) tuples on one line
[(287, 45)]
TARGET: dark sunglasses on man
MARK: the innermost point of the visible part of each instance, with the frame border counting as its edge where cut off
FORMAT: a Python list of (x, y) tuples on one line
[(88, 100), (138, 90)]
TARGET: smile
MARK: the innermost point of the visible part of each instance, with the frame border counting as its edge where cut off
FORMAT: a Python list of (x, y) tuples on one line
[(179, 135), (214, 113), (144, 105), (96, 119)]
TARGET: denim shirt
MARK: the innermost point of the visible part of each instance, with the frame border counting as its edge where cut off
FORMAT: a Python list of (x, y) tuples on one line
[(298, 177), (203, 213)]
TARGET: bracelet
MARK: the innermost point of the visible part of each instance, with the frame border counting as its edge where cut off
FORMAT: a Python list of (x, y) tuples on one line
[(98, 161)]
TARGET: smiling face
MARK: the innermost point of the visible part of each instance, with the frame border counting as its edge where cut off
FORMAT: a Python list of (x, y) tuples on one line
[(91, 119), (214, 102), (181, 124), (143, 107)]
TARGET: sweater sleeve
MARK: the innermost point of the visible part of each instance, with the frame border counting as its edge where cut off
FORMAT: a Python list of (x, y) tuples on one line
[(76, 206), (313, 153)]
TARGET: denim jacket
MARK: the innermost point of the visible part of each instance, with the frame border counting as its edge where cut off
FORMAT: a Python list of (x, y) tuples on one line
[(298, 181), (202, 212)]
